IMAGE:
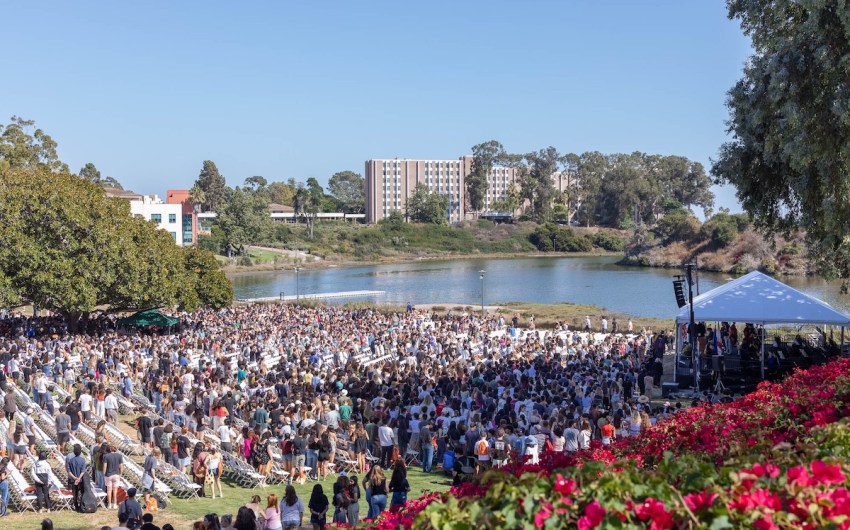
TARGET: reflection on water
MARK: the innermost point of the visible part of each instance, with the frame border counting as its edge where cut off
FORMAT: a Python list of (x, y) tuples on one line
[(582, 280)]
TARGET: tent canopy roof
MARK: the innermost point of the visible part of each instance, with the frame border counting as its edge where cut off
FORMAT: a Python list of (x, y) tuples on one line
[(148, 317), (758, 298)]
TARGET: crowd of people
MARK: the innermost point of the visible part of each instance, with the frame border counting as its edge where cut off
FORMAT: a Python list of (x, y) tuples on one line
[(307, 389)]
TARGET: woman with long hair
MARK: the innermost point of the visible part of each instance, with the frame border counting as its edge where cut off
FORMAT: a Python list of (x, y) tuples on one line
[(291, 510), (256, 510), (318, 508), (246, 519), (341, 500), (361, 441), (211, 522), (262, 456), (398, 483), (378, 487), (353, 501), (272, 513)]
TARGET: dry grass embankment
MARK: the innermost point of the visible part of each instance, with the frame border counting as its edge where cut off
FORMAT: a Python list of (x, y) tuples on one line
[(749, 251)]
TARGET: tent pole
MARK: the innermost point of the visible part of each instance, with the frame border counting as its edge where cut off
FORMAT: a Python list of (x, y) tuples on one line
[(841, 344), (762, 350), (676, 360)]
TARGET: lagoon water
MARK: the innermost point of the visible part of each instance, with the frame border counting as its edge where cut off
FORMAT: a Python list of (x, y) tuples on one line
[(583, 280)]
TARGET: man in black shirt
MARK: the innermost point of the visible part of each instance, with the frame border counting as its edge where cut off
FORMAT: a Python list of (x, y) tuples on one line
[(183, 445), (144, 425)]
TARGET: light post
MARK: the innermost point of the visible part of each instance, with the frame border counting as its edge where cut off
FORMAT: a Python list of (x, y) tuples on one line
[(481, 275), (297, 287)]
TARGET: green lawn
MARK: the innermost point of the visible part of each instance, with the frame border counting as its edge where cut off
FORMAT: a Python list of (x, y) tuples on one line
[(181, 513)]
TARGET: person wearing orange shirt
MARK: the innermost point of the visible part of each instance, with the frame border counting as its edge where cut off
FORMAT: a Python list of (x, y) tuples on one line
[(608, 433)]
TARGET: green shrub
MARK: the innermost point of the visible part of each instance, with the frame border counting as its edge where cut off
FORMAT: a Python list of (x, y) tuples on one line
[(721, 230), (609, 241), (244, 261)]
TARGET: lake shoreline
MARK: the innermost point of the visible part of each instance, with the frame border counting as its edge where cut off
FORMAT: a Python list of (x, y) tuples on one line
[(233, 270)]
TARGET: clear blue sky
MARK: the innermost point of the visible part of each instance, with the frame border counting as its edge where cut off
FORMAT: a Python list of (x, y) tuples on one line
[(148, 90)]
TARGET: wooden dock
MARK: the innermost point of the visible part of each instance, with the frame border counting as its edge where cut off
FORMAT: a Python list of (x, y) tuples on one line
[(311, 296)]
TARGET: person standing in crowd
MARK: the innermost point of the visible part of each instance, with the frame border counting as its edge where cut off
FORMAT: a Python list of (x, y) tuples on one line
[(110, 405), (426, 443), (340, 499), (149, 470), (378, 492), (387, 442), (291, 510), (272, 513), (216, 466), (40, 473), (353, 515), (318, 506), (75, 469), (4, 481), (399, 486), (132, 509), (113, 467)]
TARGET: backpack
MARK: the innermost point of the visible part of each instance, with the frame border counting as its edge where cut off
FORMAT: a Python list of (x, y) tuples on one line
[(481, 448), (164, 440), (548, 446)]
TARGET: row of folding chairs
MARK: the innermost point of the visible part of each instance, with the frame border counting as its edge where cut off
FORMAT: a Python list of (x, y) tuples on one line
[(241, 472)]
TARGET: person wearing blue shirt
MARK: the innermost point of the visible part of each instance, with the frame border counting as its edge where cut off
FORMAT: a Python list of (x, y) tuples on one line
[(75, 468)]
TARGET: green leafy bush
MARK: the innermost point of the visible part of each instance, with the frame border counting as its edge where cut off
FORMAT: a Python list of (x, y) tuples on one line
[(608, 241)]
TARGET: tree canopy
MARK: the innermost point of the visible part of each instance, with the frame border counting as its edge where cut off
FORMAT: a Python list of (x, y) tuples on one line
[(210, 190), (69, 248), (484, 157), (789, 117), (348, 188), (20, 148), (92, 174), (423, 206)]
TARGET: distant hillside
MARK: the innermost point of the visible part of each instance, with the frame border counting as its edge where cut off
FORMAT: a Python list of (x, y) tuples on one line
[(725, 243)]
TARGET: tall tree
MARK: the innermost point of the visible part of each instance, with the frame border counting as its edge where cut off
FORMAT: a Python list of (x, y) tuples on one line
[(349, 189), (790, 124), (244, 219), (591, 169), (484, 157), (69, 248), (307, 204), (424, 206), (20, 148), (213, 185), (281, 193), (571, 196), (90, 173), (536, 185)]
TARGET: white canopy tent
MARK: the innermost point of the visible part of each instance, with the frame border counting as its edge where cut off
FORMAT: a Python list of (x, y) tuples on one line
[(759, 299)]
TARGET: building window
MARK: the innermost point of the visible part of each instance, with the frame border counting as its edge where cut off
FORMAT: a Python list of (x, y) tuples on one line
[(156, 217), (174, 235), (172, 218)]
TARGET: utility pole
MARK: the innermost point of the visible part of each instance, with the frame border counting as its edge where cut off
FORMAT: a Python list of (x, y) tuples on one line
[(481, 275), (692, 331)]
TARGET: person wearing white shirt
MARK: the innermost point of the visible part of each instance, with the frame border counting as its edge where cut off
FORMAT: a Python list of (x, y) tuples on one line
[(225, 435), (387, 441), (110, 404)]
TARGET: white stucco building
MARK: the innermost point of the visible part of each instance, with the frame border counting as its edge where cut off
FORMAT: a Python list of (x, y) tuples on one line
[(168, 217)]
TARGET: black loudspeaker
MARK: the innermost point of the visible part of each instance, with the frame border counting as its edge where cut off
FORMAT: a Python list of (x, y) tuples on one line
[(679, 291), (669, 388)]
